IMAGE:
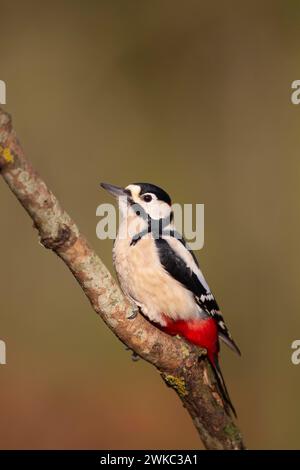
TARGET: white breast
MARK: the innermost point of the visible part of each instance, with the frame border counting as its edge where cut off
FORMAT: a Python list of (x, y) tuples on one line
[(145, 281)]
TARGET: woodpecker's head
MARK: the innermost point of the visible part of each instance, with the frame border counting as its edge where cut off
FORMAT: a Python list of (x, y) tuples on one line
[(153, 201)]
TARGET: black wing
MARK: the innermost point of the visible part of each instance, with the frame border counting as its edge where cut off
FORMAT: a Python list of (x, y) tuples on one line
[(178, 269)]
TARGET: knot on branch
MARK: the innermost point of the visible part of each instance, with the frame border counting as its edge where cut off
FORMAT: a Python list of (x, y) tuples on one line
[(65, 239)]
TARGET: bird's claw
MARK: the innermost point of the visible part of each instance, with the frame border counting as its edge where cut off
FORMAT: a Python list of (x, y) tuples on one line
[(133, 314), (135, 357)]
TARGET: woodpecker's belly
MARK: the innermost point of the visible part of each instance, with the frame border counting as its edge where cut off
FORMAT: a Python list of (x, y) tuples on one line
[(145, 281)]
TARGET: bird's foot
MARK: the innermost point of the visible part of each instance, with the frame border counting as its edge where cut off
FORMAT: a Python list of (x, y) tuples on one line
[(134, 356), (133, 313)]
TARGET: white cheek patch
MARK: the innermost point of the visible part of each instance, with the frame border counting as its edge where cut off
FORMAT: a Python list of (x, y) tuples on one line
[(152, 209), (164, 209), (157, 209)]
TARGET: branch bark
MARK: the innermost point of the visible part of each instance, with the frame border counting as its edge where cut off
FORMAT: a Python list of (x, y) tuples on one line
[(182, 366)]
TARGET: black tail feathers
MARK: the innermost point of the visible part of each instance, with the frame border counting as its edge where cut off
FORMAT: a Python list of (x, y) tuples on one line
[(222, 387)]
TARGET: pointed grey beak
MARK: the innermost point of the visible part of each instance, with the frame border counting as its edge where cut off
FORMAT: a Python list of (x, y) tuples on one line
[(116, 191)]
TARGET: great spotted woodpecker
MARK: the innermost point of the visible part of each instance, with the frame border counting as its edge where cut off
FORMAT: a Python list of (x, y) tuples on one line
[(161, 276)]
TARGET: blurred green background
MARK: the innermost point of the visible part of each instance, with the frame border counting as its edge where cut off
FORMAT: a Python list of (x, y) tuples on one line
[(193, 96)]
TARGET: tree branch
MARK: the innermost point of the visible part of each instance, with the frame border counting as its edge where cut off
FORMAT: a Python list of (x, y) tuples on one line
[(182, 366)]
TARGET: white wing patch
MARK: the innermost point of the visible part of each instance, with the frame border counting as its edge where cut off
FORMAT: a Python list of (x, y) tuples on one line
[(184, 254)]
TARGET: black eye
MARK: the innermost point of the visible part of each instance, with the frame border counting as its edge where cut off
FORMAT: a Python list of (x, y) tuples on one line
[(147, 198)]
